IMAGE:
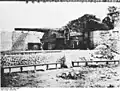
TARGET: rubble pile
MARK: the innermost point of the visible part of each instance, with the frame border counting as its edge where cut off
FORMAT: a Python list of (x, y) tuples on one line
[(103, 52), (74, 75), (107, 46), (93, 77)]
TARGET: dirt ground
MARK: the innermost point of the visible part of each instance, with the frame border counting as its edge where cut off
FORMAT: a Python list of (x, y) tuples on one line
[(104, 76)]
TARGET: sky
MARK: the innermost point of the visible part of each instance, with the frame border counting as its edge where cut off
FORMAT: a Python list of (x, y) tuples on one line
[(46, 15)]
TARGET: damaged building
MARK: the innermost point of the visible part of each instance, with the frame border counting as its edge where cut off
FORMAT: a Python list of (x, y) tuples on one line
[(77, 34)]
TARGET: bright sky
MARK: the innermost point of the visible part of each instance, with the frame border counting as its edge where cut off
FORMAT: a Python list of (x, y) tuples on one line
[(46, 15)]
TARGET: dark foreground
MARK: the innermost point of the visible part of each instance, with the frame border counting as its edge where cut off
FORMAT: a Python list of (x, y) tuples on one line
[(104, 76)]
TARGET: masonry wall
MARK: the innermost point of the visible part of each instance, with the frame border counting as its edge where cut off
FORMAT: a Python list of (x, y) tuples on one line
[(5, 40)]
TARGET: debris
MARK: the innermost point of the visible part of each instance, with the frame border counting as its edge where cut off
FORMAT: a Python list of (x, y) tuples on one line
[(110, 86)]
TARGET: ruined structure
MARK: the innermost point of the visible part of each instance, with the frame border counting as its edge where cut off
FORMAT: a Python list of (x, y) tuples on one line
[(77, 34)]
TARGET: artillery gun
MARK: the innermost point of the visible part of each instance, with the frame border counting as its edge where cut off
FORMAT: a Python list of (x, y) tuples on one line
[(77, 34)]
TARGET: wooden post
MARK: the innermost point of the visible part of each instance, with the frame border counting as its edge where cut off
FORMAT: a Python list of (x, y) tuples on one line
[(114, 62), (107, 62), (46, 66), (21, 69), (86, 63), (9, 70), (56, 65), (34, 68), (77, 63)]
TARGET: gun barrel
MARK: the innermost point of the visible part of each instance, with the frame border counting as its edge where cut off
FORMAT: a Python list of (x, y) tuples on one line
[(32, 29)]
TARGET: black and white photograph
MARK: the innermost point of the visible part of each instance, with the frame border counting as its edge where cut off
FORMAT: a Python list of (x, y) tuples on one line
[(59, 44)]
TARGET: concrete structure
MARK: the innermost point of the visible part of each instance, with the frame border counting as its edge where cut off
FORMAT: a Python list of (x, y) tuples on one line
[(19, 40), (5, 40), (26, 40)]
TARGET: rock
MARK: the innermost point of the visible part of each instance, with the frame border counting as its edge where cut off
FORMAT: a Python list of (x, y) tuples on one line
[(69, 76), (63, 75), (58, 75), (110, 86), (117, 79), (101, 47)]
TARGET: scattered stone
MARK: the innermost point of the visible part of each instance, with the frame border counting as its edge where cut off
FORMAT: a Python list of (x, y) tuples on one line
[(110, 86), (72, 75), (117, 79), (109, 77)]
